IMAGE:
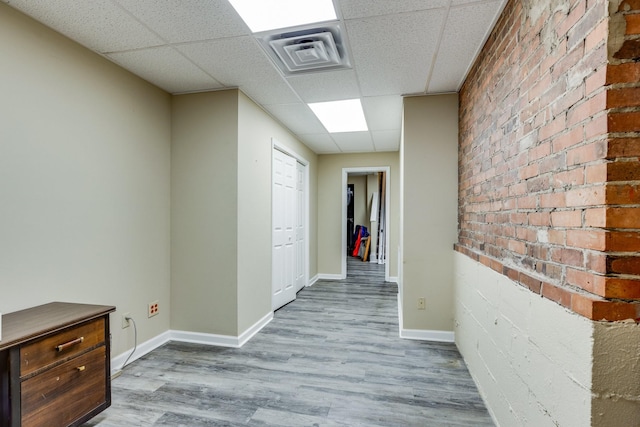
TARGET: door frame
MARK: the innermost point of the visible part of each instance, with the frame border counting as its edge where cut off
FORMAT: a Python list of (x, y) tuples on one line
[(387, 201), (276, 145)]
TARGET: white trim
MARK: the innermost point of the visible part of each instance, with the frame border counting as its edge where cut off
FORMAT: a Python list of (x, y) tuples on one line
[(345, 173), (313, 280), (426, 335), (394, 279), (421, 334), (330, 276), (191, 337), (141, 350)]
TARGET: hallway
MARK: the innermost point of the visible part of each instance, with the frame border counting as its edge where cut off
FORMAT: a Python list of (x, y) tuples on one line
[(330, 358)]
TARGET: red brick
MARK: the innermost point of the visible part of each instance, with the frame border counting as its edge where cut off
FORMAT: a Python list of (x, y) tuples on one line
[(623, 147), (618, 288), (596, 262), (553, 200), (596, 217), (628, 72), (590, 282), (623, 217), (594, 239), (563, 141), (598, 126), (587, 153), (624, 122), (566, 218), (622, 194), (622, 241), (595, 308), (623, 97), (629, 265), (633, 24), (567, 256), (587, 109), (557, 237), (539, 218), (596, 81), (586, 196), (596, 174), (557, 294), (623, 171), (532, 283)]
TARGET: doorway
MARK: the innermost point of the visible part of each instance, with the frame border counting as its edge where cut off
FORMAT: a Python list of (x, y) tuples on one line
[(382, 251)]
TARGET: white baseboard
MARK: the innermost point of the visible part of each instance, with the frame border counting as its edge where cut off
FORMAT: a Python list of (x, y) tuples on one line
[(330, 277), (141, 350), (313, 280), (427, 335), (394, 279), (191, 337), (422, 334)]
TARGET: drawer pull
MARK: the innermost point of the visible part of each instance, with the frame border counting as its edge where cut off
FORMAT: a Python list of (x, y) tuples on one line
[(66, 345), (81, 368)]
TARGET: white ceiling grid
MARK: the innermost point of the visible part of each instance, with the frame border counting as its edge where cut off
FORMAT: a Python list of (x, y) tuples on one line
[(397, 47)]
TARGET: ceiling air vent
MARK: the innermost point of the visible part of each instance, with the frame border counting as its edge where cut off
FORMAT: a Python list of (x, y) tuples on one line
[(307, 50)]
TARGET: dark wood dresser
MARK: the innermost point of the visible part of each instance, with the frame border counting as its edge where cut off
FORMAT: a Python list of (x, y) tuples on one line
[(54, 365)]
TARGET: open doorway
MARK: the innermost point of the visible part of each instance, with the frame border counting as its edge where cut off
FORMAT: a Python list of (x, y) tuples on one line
[(365, 231)]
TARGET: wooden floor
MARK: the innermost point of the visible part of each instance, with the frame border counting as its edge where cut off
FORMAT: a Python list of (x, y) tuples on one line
[(330, 358)]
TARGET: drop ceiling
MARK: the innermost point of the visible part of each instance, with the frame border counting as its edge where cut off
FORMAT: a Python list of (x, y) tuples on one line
[(397, 48)]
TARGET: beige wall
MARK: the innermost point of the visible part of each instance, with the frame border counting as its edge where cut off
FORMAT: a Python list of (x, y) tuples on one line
[(429, 210), (84, 180), (330, 193), (360, 216), (221, 211), (255, 131), (204, 220)]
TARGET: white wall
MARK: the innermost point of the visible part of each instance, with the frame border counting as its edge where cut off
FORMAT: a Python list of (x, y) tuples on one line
[(84, 180), (537, 363), (429, 213)]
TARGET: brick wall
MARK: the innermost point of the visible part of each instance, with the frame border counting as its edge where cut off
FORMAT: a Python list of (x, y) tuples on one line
[(549, 171)]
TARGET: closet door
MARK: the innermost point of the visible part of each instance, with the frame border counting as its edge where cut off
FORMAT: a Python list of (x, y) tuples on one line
[(300, 227), (284, 229)]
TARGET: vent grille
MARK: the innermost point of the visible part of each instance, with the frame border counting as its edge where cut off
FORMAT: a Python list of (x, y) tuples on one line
[(307, 50)]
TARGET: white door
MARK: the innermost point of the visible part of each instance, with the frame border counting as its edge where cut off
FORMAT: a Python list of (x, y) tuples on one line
[(300, 227), (283, 220)]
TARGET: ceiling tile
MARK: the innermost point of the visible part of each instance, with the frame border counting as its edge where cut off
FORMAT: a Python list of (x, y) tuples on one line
[(320, 143), (297, 117), (386, 140), (326, 86), (353, 142), (207, 19), (453, 59), (100, 25), (388, 62), (240, 62), (383, 112), (365, 8), (160, 65)]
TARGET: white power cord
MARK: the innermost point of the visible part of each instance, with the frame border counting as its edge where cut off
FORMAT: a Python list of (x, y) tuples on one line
[(135, 341)]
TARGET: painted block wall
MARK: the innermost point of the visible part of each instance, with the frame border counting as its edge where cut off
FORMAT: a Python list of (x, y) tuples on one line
[(530, 357)]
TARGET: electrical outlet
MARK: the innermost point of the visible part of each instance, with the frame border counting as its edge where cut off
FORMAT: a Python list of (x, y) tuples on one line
[(154, 309), (421, 303), (125, 322)]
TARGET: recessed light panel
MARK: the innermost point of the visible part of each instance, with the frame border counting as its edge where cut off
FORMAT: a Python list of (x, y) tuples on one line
[(341, 116), (264, 15)]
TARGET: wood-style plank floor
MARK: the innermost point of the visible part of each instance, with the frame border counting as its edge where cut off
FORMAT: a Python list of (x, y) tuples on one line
[(330, 358)]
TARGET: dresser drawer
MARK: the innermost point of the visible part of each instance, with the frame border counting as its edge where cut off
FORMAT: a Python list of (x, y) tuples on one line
[(61, 346), (62, 395)]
